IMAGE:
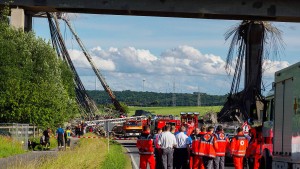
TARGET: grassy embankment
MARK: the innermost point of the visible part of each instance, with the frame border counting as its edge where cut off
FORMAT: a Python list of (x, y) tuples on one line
[(9, 147), (176, 110), (89, 153)]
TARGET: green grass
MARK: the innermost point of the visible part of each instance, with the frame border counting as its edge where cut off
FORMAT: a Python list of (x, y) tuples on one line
[(9, 147), (115, 159), (89, 153), (176, 110)]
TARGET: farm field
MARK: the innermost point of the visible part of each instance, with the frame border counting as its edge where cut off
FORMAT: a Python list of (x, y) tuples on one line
[(176, 110)]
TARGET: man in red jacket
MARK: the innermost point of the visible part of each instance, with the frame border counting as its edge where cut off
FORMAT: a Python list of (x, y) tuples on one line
[(238, 148), (196, 160), (146, 150), (208, 146), (223, 144)]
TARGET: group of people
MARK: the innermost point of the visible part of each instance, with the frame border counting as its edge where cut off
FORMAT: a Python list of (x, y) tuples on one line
[(63, 137), (204, 149), (80, 129)]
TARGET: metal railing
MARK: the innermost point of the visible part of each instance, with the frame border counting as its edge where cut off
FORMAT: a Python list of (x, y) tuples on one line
[(17, 131), (114, 121)]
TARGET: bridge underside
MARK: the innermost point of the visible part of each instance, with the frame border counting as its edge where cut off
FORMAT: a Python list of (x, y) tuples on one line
[(271, 10)]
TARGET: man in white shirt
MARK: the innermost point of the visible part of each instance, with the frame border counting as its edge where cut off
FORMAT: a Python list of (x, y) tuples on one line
[(181, 152), (167, 142)]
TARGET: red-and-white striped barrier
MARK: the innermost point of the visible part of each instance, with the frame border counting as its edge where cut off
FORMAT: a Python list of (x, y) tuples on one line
[(87, 137), (97, 137), (121, 138)]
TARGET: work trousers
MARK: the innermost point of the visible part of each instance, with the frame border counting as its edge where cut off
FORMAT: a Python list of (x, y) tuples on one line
[(158, 158), (219, 162), (68, 142), (181, 158), (208, 162), (167, 158), (60, 140), (145, 159), (191, 160), (257, 162), (238, 162), (250, 161), (198, 162)]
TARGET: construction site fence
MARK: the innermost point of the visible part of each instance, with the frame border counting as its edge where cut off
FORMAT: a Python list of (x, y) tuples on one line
[(19, 132)]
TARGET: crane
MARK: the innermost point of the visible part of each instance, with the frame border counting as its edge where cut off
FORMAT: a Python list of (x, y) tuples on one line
[(113, 98)]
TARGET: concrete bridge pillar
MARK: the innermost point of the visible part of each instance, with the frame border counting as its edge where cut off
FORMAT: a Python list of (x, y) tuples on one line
[(20, 19)]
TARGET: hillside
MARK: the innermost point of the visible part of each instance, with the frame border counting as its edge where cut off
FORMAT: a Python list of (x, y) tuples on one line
[(149, 99)]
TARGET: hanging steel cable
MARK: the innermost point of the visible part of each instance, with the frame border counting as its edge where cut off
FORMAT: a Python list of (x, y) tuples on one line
[(113, 98), (254, 40), (88, 106)]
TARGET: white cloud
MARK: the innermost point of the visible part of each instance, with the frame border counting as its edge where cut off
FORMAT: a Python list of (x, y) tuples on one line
[(270, 67), (125, 69), (81, 61)]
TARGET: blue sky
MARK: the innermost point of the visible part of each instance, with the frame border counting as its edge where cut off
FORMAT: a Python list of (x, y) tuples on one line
[(158, 52)]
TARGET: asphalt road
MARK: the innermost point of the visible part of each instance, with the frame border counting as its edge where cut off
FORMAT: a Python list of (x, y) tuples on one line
[(134, 154)]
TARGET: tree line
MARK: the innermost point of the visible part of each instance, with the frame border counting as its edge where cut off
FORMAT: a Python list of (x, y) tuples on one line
[(148, 99)]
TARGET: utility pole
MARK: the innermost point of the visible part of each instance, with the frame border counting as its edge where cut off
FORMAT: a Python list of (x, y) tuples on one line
[(144, 85), (174, 95), (199, 97)]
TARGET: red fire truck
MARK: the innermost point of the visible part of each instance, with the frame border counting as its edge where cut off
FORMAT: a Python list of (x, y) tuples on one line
[(189, 120), (162, 121)]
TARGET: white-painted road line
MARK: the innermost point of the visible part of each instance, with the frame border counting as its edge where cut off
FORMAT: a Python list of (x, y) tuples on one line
[(132, 159)]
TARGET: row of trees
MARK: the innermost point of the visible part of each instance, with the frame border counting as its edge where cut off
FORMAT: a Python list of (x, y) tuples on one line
[(36, 86), (134, 98)]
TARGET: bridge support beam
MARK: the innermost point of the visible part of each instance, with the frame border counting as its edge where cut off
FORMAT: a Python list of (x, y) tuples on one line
[(266, 10), (17, 20), (20, 19)]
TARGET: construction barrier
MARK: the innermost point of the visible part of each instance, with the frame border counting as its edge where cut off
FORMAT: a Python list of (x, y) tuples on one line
[(97, 137)]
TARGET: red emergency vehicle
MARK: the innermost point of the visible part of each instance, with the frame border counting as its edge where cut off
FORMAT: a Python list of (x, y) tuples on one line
[(133, 128), (279, 133), (189, 120), (162, 121)]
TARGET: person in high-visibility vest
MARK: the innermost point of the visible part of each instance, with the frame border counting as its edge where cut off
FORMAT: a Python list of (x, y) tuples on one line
[(253, 152), (251, 149), (223, 144), (208, 144), (192, 137), (68, 135), (238, 146), (146, 150), (196, 160)]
